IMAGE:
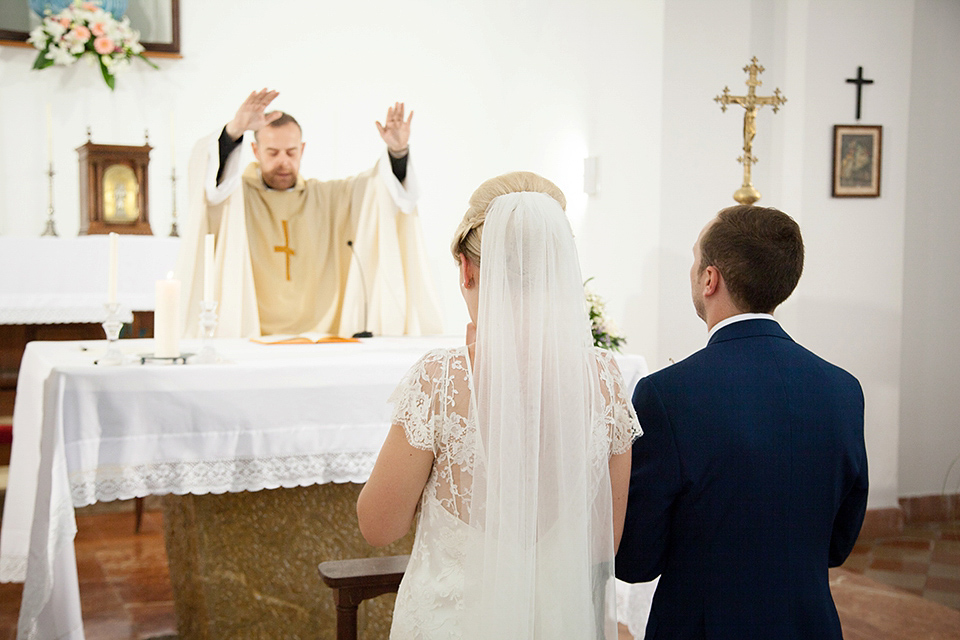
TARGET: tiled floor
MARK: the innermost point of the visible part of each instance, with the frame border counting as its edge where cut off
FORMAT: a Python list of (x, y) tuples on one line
[(124, 583), (924, 560), (126, 593)]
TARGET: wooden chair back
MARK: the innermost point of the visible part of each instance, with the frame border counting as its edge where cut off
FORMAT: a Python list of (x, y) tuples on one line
[(354, 581)]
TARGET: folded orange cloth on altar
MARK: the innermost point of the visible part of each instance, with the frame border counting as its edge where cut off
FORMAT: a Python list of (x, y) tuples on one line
[(303, 338)]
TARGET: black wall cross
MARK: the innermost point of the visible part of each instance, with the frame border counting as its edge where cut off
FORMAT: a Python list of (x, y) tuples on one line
[(859, 81)]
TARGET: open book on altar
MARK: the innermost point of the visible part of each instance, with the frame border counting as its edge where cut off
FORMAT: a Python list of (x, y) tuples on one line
[(303, 338)]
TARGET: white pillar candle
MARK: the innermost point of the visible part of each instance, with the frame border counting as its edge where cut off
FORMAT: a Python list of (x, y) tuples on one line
[(49, 133), (166, 318), (208, 268), (112, 270)]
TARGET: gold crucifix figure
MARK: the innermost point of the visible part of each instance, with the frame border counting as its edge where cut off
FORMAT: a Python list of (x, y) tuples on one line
[(286, 248), (751, 103)]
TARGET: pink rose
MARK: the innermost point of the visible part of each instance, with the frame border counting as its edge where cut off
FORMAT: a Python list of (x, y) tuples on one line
[(103, 45), (64, 22), (82, 33), (98, 29)]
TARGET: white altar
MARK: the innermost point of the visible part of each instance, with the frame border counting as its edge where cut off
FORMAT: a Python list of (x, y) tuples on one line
[(268, 416)]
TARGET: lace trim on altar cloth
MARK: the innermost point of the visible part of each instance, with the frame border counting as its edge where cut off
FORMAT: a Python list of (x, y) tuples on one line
[(218, 476), (13, 568)]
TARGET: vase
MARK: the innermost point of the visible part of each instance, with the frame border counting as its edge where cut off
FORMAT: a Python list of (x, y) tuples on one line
[(116, 7)]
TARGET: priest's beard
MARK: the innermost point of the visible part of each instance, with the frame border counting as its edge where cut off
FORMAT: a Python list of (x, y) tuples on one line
[(280, 178)]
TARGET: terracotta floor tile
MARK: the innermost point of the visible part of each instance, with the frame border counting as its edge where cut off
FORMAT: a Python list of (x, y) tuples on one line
[(900, 566), (945, 557), (157, 590), (100, 600), (858, 563), (107, 629), (918, 544), (944, 570), (948, 599), (153, 620), (902, 580), (938, 583)]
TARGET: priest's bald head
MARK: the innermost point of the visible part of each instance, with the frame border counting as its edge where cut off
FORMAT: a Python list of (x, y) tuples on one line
[(278, 149)]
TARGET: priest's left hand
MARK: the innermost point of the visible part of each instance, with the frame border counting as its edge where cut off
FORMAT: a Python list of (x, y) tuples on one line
[(396, 131)]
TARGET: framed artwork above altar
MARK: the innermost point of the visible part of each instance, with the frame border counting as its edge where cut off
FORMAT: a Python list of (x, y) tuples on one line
[(856, 160), (158, 22)]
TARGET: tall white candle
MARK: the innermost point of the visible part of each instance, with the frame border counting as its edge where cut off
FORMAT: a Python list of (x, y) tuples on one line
[(112, 270), (166, 318), (173, 145), (49, 133), (208, 268)]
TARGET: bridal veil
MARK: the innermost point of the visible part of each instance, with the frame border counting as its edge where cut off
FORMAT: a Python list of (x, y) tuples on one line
[(541, 487)]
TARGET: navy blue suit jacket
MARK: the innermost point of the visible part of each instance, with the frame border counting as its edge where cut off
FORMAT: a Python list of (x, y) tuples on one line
[(749, 481)]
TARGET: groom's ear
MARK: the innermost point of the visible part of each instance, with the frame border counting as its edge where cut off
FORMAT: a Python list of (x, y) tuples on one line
[(711, 280)]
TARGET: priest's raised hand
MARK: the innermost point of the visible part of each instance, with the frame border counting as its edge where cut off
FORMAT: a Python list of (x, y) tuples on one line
[(396, 131), (251, 115)]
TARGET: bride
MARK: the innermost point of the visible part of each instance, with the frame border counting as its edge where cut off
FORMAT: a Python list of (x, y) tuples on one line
[(515, 447)]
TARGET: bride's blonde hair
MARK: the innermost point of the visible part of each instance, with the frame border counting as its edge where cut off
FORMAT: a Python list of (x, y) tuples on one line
[(469, 234)]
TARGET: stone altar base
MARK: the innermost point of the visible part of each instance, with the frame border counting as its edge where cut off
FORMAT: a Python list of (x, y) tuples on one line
[(244, 565)]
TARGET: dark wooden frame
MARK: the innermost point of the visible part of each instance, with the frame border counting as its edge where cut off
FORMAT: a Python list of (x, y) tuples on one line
[(94, 160), (152, 49), (872, 188)]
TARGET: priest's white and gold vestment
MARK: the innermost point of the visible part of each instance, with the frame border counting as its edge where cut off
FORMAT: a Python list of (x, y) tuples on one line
[(282, 263)]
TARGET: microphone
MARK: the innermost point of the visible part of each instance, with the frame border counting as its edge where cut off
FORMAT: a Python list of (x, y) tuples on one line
[(363, 283)]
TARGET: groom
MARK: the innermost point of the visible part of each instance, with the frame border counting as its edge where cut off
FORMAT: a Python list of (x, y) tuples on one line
[(751, 477)]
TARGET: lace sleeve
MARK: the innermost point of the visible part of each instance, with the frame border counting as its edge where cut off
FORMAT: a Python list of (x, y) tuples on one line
[(621, 417), (414, 402)]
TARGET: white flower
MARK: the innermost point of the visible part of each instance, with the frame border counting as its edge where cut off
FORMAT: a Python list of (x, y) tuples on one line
[(38, 37), (61, 56)]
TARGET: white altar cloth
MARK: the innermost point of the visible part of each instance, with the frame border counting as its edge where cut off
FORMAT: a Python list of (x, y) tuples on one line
[(269, 416), (64, 280)]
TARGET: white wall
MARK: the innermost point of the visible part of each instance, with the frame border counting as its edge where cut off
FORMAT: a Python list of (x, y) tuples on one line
[(496, 86), (502, 85), (930, 398), (840, 310)]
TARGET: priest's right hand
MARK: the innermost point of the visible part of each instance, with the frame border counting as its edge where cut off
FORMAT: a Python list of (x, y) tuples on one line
[(250, 116)]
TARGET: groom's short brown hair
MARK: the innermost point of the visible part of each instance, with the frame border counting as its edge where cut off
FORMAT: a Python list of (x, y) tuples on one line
[(759, 253)]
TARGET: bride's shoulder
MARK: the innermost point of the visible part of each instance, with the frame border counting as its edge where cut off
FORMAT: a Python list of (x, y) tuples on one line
[(605, 358), (442, 358)]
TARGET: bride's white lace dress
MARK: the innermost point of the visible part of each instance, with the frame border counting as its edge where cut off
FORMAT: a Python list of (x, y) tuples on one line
[(435, 405)]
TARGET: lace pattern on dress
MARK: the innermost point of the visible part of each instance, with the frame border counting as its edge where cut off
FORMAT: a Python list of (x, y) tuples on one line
[(434, 405)]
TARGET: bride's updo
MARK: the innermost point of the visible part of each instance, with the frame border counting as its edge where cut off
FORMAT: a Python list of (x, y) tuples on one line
[(467, 238)]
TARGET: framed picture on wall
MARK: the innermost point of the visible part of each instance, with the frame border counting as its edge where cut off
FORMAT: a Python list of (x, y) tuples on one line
[(856, 160), (158, 22)]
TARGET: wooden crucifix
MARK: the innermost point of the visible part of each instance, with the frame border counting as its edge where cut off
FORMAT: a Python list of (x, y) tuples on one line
[(859, 81), (751, 102)]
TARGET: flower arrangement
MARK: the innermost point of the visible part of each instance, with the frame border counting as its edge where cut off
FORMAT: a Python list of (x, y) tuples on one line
[(85, 28), (604, 331)]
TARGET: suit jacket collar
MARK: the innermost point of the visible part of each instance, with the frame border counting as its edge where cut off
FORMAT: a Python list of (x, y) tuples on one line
[(749, 329)]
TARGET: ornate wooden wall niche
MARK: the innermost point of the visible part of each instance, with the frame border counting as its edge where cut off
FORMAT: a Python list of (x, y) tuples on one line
[(114, 189)]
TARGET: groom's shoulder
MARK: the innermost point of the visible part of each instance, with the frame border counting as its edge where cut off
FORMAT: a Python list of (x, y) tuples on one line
[(698, 364)]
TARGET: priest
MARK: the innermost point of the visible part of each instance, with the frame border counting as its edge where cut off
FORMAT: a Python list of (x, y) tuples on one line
[(294, 256)]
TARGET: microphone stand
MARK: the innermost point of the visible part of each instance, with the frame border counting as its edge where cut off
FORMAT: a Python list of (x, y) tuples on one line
[(363, 283)]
